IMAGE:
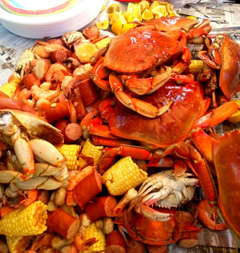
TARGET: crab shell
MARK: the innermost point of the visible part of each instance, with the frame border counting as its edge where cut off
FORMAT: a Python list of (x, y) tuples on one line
[(148, 231), (158, 233), (226, 153), (230, 70), (34, 126), (171, 23), (136, 51), (171, 127)]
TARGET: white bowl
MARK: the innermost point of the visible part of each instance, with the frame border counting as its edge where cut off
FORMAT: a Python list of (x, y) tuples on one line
[(53, 25)]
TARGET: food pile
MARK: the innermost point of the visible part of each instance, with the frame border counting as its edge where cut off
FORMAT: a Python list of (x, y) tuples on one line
[(107, 143), (121, 21)]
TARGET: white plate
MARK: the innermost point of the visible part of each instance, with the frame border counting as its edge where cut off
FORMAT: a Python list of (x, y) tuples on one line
[(53, 25)]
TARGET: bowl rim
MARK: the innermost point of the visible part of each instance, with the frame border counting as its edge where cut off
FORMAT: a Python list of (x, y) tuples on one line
[(75, 10)]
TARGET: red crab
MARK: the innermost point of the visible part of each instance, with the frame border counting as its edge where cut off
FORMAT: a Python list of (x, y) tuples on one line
[(187, 108), (223, 153), (224, 55), (144, 59), (180, 228), (193, 28)]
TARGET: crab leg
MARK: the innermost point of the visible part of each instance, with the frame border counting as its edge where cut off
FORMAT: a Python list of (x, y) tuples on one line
[(98, 73), (207, 214), (52, 156), (152, 214), (143, 86), (25, 156), (196, 35), (135, 104), (218, 115)]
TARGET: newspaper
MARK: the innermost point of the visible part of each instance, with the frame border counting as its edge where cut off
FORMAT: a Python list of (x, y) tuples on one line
[(224, 16)]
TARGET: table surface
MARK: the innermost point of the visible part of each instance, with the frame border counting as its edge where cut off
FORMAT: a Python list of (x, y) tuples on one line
[(11, 47)]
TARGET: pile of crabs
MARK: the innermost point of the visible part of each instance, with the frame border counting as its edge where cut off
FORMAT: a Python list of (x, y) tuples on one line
[(137, 97)]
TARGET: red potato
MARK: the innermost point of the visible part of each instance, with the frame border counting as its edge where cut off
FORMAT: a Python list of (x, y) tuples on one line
[(29, 80), (115, 243), (87, 189), (59, 56), (72, 132), (102, 207), (63, 223), (88, 91)]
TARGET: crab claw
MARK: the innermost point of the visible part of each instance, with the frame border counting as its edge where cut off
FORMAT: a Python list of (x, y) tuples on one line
[(207, 214), (52, 156), (25, 156), (153, 214), (144, 108)]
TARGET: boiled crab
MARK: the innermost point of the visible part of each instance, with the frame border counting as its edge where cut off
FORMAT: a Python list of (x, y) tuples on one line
[(188, 111), (30, 136), (179, 228), (194, 29), (163, 189), (224, 55), (146, 63), (228, 187)]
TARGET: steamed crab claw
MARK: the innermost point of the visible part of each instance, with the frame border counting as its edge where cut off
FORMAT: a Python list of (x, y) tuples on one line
[(225, 154), (21, 131), (141, 107), (165, 190), (207, 213), (224, 55)]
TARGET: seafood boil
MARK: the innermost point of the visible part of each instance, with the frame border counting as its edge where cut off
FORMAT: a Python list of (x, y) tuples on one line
[(110, 144)]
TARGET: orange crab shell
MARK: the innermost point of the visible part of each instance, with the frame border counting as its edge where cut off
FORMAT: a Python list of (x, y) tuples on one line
[(149, 231), (228, 175), (230, 70), (171, 23), (171, 127), (136, 51)]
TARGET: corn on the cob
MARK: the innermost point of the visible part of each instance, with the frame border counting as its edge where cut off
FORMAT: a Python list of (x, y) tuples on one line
[(10, 88), (122, 176), (26, 221), (71, 152), (93, 232), (195, 66), (18, 244), (90, 150)]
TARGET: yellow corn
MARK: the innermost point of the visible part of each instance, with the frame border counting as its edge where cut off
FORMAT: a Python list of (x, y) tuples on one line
[(25, 221), (90, 150), (195, 66), (93, 232), (71, 152), (122, 176), (10, 88), (18, 244)]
